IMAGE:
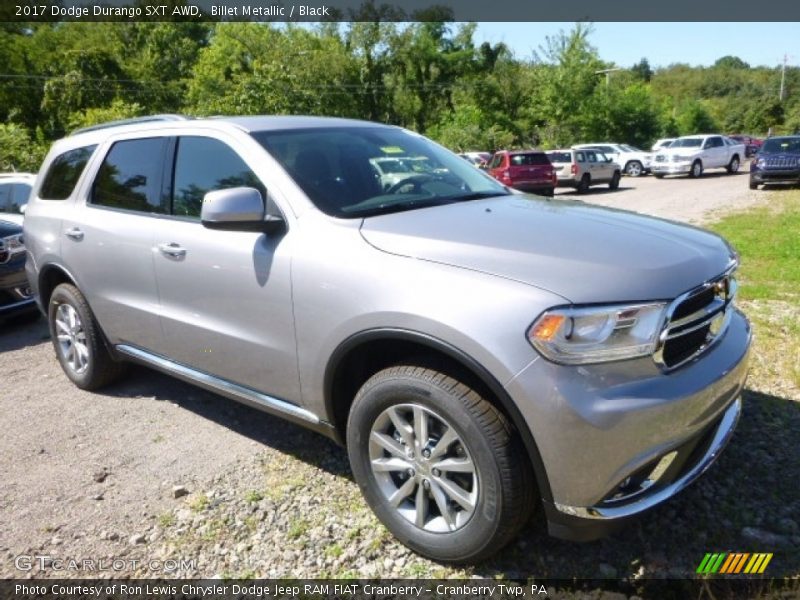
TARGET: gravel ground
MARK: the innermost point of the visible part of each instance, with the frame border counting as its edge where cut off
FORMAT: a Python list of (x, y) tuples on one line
[(153, 470)]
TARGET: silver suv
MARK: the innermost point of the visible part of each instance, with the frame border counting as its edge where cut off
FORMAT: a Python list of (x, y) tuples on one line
[(483, 355)]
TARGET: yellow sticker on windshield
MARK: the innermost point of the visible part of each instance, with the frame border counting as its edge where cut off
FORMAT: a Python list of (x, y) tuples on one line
[(392, 150)]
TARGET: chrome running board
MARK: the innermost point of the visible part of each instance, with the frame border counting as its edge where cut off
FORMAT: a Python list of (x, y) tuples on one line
[(222, 386)]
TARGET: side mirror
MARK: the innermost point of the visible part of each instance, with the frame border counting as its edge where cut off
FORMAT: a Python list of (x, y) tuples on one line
[(239, 209), (608, 160)]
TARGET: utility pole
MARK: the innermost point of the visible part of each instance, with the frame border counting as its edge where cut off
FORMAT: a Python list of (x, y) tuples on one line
[(783, 78)]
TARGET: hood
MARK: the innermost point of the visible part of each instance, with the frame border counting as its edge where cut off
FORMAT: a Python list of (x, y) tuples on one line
[(584, 253)]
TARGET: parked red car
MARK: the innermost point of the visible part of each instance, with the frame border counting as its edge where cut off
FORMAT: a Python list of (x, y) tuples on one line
[(524, 170), (751, 144)]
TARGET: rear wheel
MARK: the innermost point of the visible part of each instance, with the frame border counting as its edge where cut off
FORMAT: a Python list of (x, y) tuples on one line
[(697, 169), (634, 168), (78, 341), (733, 166), (548, 192), (438, 464), (614, 183), (584, 183), (658, 175)]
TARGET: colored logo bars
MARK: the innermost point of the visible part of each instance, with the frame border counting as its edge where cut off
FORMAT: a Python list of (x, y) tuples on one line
[(734, 562)]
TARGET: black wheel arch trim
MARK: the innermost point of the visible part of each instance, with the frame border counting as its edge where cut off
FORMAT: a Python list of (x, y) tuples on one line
[(462, 358)]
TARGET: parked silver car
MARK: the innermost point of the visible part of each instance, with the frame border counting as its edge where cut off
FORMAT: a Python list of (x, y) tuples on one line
[(482, 355)]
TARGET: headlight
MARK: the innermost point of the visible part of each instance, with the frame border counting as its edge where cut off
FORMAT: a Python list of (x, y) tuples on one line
[(596, 334), (760, 162)]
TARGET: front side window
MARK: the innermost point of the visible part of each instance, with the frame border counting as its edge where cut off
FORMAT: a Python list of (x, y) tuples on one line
[(337, 169), (64, 172), (203, 165), (687, 143), (131, 175)]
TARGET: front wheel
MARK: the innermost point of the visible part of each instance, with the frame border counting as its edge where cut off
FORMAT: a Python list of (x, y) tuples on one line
[(753, 186), (78, 341), (697, 169), (439, 465), (634, 168), (614, 183)]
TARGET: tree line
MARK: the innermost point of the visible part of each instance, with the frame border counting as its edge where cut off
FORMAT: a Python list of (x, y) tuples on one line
[(428, 76)]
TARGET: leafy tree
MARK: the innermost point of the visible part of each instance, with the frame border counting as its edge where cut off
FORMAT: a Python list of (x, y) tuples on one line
[(642, 70), (18, 152)]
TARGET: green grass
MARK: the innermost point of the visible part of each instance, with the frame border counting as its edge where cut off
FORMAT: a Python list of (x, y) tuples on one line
[(768, 241)]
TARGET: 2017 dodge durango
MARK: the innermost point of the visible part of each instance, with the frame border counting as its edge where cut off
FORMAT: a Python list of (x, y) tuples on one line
[(482, 355)]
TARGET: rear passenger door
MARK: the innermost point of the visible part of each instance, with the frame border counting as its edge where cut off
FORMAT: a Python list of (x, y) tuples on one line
[(225, 296), (598, 168), (107, 241)]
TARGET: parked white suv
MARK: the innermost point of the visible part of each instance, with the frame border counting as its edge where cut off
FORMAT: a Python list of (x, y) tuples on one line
[(634, 162), (583, 168), (693, 154)]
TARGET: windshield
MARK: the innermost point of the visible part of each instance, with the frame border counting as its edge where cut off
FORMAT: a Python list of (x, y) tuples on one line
[(362, 171), (630, 148), (687, 143), (777, 145)]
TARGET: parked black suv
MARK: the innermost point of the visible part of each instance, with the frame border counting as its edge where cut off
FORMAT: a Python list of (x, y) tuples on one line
[(778, 161), (15, 293)]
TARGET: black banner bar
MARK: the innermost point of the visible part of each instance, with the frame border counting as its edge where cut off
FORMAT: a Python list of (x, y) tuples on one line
[(396, 10)]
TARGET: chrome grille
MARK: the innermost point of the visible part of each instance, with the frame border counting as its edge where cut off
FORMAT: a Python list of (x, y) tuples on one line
[(782, 162), (660, 158), (695, 320)]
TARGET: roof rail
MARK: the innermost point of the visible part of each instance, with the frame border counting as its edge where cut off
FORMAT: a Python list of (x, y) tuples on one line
[(119, 122)]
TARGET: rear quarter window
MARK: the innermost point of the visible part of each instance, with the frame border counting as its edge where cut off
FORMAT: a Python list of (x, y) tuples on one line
[(64, 172), (534, 158), (560, 157)]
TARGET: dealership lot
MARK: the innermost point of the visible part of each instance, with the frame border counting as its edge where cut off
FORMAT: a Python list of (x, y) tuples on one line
[(94, 476)]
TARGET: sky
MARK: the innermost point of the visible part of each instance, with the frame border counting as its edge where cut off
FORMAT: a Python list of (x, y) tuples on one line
[(662, 43)]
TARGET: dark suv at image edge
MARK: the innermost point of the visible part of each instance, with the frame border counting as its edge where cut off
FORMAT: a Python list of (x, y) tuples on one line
[(777, 162), (482, 355)]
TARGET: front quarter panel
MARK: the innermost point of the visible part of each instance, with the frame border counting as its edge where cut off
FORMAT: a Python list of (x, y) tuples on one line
[(343, 286)]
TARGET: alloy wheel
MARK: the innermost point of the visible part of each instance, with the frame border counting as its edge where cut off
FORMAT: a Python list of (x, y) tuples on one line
[(423, 468), (71, 338)]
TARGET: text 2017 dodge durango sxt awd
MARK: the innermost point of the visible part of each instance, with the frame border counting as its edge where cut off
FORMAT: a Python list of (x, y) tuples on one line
[(480, 353)]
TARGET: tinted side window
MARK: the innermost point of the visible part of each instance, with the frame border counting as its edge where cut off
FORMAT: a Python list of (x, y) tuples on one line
[(579, 157), (203, 165), (130, 176), (64, 172), (5, 197), (496, 160)]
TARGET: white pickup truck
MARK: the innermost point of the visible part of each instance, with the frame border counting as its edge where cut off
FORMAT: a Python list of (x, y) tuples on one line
[(693, 154)]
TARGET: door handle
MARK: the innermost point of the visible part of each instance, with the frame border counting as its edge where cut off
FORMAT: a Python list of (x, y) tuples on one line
[(172, 249), (74, 234)]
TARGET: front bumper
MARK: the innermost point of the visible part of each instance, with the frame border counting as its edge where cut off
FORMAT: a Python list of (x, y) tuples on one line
[(788, 176), (671, 168), (600, 429), (16, 296)]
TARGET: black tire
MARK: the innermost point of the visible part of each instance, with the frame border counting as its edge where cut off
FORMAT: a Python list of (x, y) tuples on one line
[(734, 165), (614, 183), (658, 175), (92, 366), (584, 183), (502, 477), (549, 192), (634, 168), (696, 170), (753, 186)]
